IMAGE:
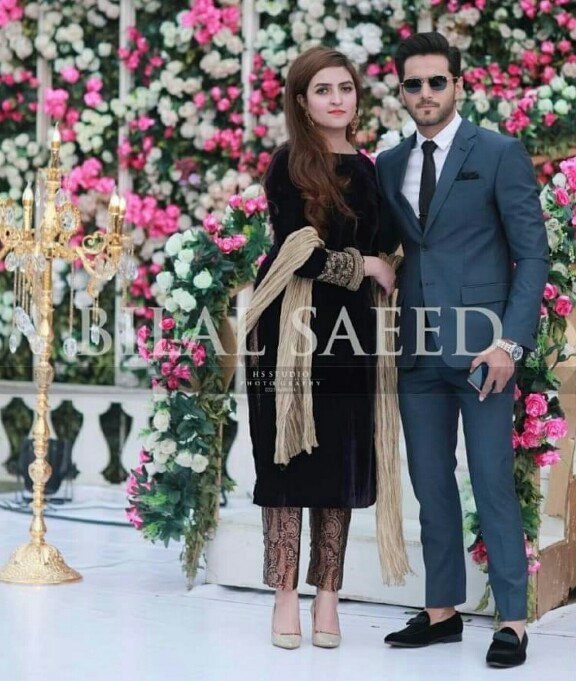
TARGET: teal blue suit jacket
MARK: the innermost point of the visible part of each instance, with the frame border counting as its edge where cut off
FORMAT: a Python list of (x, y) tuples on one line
[(484, 246)]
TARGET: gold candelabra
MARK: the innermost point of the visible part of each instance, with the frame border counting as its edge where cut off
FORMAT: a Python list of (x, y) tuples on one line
[(29, 251)]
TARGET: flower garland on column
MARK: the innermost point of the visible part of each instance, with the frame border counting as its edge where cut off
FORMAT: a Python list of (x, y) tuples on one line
[(175, 491)]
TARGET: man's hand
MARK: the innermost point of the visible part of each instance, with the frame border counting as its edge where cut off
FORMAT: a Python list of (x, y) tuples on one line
[(500, 370)]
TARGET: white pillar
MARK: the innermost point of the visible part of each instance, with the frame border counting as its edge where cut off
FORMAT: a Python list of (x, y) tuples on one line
[(127, 19), (250, 25)]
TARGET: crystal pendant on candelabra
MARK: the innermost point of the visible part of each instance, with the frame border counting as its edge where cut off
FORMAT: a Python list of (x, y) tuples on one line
[(36, 344), (61, 197), (25, 260), (39, 193), (19, 316), (9, 216), (11, 262), (13, 342), (28, 328), (70, 347), (94, 334), (40, 263)]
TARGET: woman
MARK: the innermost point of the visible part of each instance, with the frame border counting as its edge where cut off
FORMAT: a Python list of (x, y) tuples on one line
[(312, 386)]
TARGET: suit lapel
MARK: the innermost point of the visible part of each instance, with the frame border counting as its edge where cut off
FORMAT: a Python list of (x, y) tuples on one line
[(461, 146)]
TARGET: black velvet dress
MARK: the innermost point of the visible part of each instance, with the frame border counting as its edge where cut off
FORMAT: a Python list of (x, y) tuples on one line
[(340, 472)]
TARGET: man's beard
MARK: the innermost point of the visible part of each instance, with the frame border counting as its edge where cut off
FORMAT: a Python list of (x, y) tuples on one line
[(441, 114)]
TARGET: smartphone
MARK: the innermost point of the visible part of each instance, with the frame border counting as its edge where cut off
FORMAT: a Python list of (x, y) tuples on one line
[(478, 376)]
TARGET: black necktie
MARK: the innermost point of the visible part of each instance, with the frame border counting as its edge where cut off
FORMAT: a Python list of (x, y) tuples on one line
[(428, 180)]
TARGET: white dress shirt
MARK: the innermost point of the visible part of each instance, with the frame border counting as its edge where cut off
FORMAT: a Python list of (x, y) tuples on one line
[(444, 139)]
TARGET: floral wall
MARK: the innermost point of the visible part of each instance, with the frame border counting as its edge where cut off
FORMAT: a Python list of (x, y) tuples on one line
[(191, 133), (197, 125)]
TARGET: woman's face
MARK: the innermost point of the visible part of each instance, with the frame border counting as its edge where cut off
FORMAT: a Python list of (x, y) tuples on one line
[(331, 98)]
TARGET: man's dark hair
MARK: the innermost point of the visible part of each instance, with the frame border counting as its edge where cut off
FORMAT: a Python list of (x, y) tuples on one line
[(427, 43)]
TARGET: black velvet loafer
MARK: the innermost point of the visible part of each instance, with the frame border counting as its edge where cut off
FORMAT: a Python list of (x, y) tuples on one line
[(420, 632), (506, 649)]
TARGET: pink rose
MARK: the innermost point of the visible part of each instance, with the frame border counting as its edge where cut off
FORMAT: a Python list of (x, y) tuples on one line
[(547, 458), (517, 393), (530, 440), (235, 201), (536, 404), (550, 291), (134, 517), (561, 196), (479, 552), (55, 102), (144, 457), (70, 74), (131, 486), (563, 306), (167, 324), (161, 348), (568, 167), (533, 566), (555, 429)]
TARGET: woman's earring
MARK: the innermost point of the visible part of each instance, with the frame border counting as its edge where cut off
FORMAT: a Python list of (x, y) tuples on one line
[(354, 123), (309, 118)]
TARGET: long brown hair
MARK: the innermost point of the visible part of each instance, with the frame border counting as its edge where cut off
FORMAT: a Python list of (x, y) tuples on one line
[(311, 166)]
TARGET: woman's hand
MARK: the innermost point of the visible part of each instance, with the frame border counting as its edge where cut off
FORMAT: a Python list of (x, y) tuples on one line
[(381, 271)]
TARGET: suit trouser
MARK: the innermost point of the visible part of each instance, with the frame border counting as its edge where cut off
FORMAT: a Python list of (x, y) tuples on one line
[(431, 396), (328, 538)]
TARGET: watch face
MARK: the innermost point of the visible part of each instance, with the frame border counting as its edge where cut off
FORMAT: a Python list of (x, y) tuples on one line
[(517, 353)]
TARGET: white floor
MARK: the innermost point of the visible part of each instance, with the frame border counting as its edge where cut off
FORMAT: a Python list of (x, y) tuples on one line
[(131, 619)]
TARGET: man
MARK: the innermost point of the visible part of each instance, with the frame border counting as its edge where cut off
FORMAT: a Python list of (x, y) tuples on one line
[(463, 202)]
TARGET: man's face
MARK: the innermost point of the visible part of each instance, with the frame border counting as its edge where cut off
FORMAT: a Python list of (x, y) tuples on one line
[(431, 109)]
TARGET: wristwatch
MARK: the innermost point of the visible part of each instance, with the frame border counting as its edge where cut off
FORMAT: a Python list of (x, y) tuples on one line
[(514, 350)]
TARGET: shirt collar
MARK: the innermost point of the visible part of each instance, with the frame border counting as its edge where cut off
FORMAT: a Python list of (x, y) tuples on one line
[(445, 137)]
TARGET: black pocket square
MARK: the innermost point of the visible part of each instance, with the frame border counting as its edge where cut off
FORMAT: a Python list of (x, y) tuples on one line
[(468, 175)]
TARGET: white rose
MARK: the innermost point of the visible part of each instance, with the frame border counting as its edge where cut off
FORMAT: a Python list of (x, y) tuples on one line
[(199, 463), (562, 107), (161, 420), (558, 84), (545, 92), (174, 245), (151, 441), (545, 105), (167, 447), (186, 254), (165, 280), (389, 140), (170, 305), (553, 240), (252, 192), (559, 180), (184, 459), (203, 280), (569, 92), (159, 394), (182, 269), (160, 457), (185, 300), (504, 108)]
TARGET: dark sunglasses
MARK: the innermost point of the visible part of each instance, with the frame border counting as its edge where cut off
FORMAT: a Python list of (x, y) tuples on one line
[(436, 83)]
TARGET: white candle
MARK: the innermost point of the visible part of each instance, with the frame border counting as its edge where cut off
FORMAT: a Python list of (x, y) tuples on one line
[(28, 195), (56, 137)]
